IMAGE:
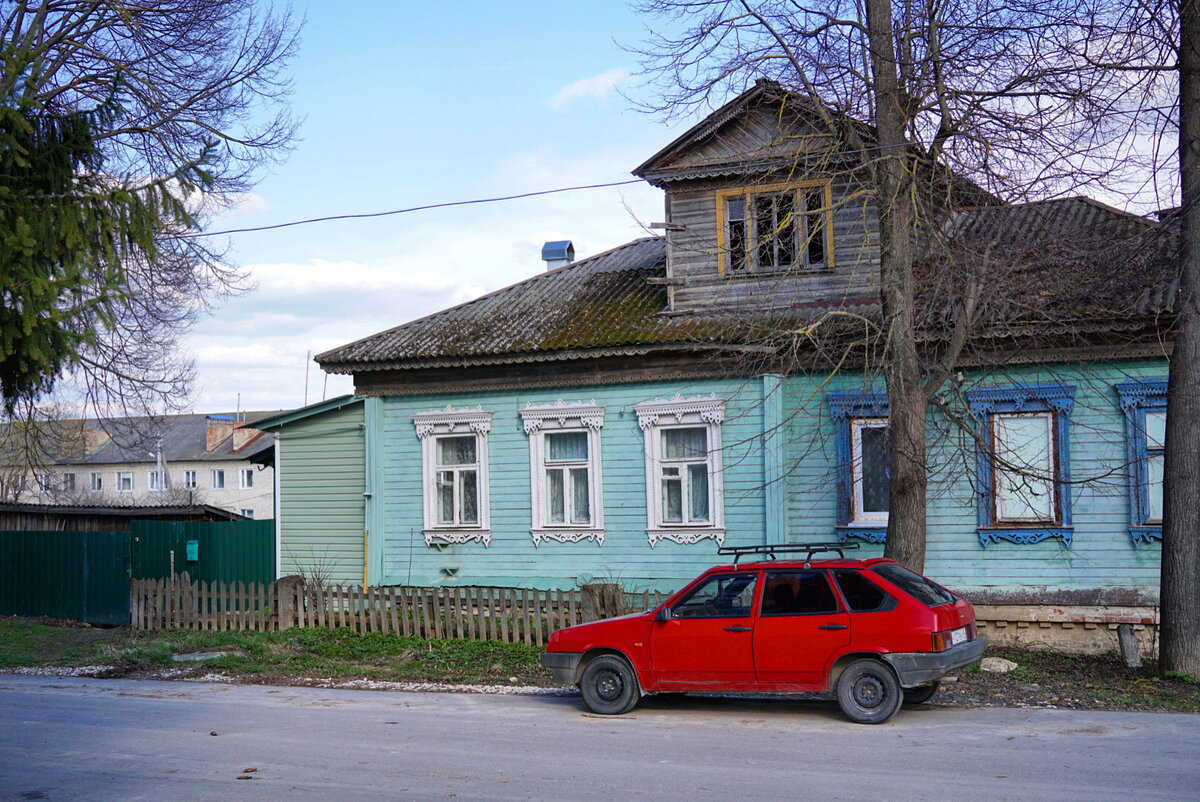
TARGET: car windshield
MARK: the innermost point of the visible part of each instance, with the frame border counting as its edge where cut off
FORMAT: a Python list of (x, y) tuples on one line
[(915, 585)]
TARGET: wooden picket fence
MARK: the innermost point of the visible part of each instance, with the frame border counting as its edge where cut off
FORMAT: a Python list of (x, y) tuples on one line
[(512, 615)]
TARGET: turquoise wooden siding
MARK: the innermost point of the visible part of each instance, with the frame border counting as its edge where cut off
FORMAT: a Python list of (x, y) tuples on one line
[(321, 485), (626, 555), (1102, 556), (336, 485)]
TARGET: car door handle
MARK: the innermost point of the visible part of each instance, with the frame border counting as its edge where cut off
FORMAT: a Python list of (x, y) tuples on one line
[(737, 629), (832, 626)]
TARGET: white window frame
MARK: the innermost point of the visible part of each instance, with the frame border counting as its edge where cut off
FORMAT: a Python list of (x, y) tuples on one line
[(189, 480), (154, 481), (450, 422), (562, 418), (682, 413), (121, 475), (218, 472), (245, 478), (859, 516), (68, 481), (246, 512), (97, 482)]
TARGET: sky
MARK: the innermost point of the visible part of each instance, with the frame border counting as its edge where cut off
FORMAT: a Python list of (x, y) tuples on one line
[(407, 104)]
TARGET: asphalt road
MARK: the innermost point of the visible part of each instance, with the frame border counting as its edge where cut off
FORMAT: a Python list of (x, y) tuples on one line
[(67, 738)]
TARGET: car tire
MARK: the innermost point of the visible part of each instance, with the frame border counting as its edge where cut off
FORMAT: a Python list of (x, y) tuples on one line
[(609, 686), (921, 694), (868, 692)]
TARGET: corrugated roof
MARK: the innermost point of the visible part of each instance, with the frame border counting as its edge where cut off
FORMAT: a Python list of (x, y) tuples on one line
[(135, 439), (1074, 262)]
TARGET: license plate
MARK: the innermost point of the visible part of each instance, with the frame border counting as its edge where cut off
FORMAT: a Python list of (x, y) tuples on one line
[(958, 636)]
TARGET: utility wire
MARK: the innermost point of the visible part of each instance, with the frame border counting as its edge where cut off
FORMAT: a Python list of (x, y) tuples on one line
[(409, 209)]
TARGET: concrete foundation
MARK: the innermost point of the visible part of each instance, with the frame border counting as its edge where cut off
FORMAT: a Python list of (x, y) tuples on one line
[(1073, 629)]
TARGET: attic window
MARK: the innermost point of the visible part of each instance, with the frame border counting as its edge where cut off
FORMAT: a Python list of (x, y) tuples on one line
[(773, 228)]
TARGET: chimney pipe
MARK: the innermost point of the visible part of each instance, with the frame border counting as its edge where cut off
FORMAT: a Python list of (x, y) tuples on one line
[(558, 253)]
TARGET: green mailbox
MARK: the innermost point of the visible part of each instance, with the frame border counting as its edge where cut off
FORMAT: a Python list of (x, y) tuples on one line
[(193, 551)]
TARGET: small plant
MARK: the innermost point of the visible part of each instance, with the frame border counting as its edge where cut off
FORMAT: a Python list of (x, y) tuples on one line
[(1181, 676)]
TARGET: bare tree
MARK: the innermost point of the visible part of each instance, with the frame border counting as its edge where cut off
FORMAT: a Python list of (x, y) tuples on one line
[(179, 96), (1180, 585), (1014, 97)]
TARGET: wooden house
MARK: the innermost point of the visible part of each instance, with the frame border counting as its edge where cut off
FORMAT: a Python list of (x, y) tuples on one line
[(618, 418)]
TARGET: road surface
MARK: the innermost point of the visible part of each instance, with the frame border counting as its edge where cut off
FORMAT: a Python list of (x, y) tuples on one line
[(77, 738)]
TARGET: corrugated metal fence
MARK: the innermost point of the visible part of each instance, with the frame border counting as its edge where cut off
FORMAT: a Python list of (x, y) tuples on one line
[(79, 575), (85, 575)]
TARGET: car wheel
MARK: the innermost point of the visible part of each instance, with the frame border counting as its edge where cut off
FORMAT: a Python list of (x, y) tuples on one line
[(609, 686), (920, 695), (868, 692)]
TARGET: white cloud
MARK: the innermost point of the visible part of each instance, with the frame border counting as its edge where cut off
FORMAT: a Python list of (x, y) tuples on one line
[(597, 86)]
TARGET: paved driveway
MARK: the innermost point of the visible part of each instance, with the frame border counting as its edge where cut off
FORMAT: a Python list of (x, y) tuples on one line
[(67, 738)]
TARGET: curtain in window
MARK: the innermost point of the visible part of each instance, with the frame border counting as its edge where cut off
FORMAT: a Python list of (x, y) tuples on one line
[(456, 450), (685, 443), (567, 447), (698, 492)]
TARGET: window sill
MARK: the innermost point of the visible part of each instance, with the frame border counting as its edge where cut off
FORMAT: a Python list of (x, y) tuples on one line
[(1145, 533), (567, 534), (460, 535), (685, 535), (1025, 535), (871, 533)]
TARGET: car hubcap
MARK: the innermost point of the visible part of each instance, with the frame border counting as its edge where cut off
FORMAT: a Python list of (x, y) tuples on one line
[(868, 692), (608, 686)]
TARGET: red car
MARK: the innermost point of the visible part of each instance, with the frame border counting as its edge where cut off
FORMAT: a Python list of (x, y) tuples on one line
[(872, 630)]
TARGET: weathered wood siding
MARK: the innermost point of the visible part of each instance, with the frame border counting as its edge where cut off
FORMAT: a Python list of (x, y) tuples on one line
[(321, 485), (692, 257)]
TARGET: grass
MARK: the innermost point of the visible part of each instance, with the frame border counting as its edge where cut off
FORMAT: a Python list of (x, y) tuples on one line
[(303, 656), (288, 656)]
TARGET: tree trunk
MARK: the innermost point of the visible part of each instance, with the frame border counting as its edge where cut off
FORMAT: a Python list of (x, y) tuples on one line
[(893, 174), (1180, 581)]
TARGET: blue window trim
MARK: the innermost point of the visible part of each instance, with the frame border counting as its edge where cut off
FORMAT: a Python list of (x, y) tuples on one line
[(987, 401), (844, 406), (1137, 397)]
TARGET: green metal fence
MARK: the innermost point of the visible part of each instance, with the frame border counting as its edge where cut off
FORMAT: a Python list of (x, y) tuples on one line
[(79, 575), (85, 575), (223, 551)]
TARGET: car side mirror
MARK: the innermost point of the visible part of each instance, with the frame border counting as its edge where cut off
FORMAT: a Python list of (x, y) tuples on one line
[(663, 614)]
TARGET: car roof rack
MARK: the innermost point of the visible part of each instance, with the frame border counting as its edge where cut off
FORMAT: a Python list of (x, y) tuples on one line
[(790, 548)]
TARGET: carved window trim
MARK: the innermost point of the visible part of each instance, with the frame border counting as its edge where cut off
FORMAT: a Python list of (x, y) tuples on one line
[(1055, 400), (679, 413), (563, 417), (451, 422), (1137, 397), (847, 408), (801, 191)]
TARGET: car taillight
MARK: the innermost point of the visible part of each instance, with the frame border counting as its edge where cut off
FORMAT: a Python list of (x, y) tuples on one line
[(948, 639)]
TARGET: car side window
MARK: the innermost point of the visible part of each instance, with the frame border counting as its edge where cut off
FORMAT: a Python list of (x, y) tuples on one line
[(720, 596), (805, 592), (861, 594)]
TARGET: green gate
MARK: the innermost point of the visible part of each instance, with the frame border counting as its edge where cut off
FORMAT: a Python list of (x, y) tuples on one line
[(85, 575), (78, 575), (222, 551)]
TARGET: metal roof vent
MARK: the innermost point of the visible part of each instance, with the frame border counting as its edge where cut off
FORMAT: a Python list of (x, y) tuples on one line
[(559, 253)]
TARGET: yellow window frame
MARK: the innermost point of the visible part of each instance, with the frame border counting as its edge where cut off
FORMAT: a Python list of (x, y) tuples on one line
[(826, 187)]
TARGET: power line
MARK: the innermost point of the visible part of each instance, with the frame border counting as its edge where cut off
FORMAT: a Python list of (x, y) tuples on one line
[(409, 209)]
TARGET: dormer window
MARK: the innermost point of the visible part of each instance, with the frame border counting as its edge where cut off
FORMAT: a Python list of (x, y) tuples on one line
[(774, 228)]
